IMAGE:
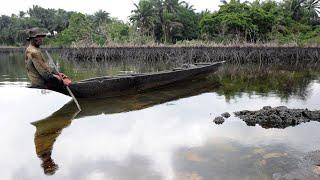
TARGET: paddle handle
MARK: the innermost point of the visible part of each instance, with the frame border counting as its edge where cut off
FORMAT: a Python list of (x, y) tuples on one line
[(69, 90), (73, 97)]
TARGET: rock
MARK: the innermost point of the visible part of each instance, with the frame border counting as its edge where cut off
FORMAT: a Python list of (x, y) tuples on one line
[(226, 115), (218, 120)]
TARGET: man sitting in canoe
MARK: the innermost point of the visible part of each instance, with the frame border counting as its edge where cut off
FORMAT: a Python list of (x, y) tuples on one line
[(40, 74)]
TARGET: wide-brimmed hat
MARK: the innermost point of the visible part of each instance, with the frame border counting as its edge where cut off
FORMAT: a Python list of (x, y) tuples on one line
[(35, 32)]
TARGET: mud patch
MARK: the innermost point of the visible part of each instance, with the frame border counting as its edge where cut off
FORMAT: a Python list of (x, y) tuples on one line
[(278, 117)]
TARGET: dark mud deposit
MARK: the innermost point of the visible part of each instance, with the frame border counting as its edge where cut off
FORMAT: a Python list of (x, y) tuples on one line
[(278, 117)]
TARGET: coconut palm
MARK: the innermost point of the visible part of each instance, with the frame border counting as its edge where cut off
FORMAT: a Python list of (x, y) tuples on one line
[(143, 16), (101, 17), (187, 6), (313, 8), (171, 5)]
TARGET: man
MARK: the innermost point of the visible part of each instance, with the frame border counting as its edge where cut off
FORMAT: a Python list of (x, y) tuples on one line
[(40, 74)]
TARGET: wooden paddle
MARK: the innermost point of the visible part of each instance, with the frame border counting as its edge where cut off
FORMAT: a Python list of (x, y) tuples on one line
[(69, 90)]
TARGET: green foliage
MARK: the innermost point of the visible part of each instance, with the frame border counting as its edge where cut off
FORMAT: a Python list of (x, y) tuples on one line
[(118, 32), (238, 20), (283, 22), (143, 16), (79, 29), (166, 20), (172, 21)]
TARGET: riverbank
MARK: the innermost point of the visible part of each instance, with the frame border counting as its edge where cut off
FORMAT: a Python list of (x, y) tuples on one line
[(232, 54)]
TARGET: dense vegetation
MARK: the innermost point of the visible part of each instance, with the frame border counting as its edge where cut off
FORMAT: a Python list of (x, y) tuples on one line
[(173, 21)]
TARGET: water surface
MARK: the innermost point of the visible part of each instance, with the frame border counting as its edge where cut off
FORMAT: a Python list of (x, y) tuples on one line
[(163, 134)]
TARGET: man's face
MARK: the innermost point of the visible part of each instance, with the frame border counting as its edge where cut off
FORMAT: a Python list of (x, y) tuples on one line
[(38, 40)]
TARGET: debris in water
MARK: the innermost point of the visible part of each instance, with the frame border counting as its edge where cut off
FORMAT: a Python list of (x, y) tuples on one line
[(226, 115), (278, 117), (218, 120)]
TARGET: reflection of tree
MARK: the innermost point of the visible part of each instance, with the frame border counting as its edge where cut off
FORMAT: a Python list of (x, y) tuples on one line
[(282, 81), (12, 65), (80, 70)]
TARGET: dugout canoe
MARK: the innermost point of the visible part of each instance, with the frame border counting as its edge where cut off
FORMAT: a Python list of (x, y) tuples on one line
[(111, 86)]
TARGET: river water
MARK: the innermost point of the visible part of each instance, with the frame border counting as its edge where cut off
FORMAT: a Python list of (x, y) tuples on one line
[(163, 134)]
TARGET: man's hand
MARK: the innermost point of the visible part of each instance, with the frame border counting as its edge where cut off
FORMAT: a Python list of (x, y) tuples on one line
[(62, 77), (58, 77), (66, 81)]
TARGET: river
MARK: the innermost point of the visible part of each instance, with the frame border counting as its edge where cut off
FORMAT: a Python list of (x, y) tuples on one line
[(161, 134)]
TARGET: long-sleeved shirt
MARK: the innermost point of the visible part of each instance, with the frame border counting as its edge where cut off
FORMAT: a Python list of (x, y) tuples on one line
[(38, 71)]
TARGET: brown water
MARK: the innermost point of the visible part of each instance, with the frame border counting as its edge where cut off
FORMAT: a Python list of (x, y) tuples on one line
[(164, 134)]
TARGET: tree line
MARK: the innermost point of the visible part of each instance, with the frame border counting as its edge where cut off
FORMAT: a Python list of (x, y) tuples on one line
[(171, 22)]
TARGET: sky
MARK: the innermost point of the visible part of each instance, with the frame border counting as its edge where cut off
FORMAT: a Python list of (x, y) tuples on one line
[(117, 8)]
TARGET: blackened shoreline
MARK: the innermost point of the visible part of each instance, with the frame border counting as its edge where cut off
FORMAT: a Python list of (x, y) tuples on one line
[(232, 54)]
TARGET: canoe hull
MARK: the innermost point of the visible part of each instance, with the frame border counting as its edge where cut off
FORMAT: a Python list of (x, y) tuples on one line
[(102, 87)]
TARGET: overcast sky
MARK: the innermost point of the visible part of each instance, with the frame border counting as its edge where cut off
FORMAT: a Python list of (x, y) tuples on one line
[(117, 8)]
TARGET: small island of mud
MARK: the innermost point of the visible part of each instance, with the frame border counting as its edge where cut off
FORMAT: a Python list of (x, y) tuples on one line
[(278, 117)]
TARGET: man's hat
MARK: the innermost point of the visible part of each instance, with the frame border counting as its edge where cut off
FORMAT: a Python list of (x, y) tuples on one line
[(35, 32)]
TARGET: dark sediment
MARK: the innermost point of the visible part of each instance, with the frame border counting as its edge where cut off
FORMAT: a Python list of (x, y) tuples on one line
[(226, 115), (218, 120), (278, 117)]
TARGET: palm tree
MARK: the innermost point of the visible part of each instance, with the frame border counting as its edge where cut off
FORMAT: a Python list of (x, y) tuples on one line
[(313, 8), (22, 14), (171, 5), (101, 17), (296, 7), (187, 6), (170, 24), (143, 16), (303, 8), (223, 1)]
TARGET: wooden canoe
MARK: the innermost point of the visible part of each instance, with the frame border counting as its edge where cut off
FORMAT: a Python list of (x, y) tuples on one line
[(111, 86)]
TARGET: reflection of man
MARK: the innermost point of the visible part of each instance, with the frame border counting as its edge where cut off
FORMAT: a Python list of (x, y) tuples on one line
[(47, 131), (44, 139), (40, 74)]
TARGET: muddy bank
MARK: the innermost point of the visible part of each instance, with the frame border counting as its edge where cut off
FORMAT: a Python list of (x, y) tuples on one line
[(278, 117), (237, 55), (265, 55)]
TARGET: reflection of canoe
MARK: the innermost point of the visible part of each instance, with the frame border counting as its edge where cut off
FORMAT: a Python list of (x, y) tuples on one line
[(138, 101), (48, 129), (132, 83)]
